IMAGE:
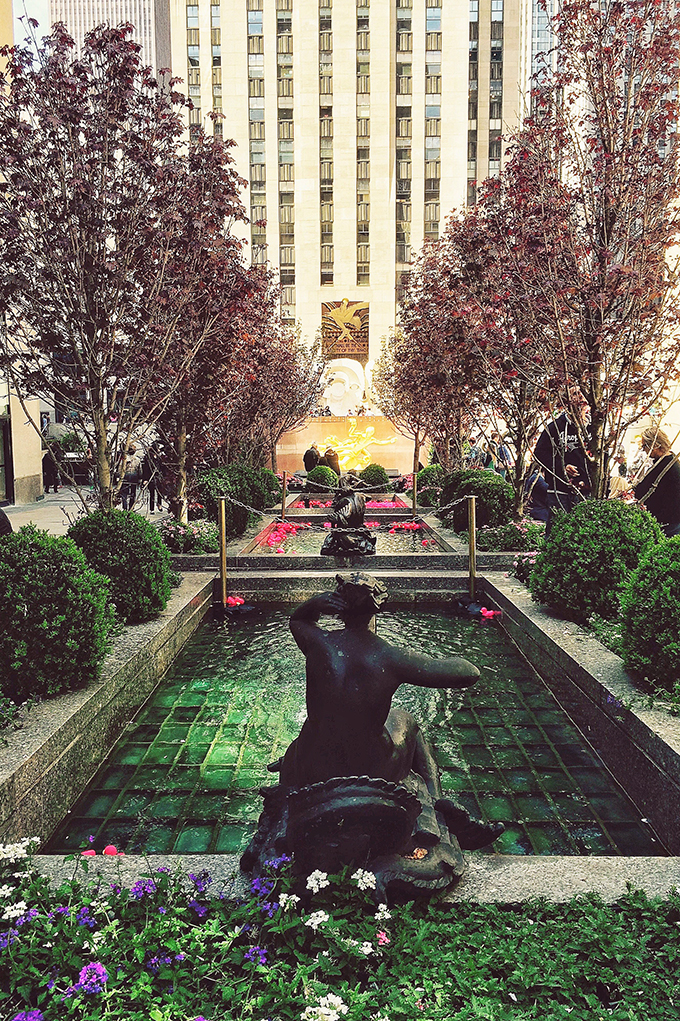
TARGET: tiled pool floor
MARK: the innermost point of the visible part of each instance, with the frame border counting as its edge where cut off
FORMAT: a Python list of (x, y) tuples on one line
[(185, 776)]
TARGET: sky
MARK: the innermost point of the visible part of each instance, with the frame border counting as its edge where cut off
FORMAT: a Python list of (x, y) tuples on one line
[(38, 9)]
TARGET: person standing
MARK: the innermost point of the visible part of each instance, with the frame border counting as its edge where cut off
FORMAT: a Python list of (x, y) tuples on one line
[(128, 491), (562, 460), (503, 456), (333, 460), (659, 490), (5, 524), (311, 457), (151, 470), (49, 470)]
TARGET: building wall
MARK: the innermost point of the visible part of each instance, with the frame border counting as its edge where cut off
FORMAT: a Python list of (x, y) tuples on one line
[(352, 122), (80, 16)]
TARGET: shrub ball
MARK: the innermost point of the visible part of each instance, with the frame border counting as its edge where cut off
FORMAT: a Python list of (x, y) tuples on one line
[(589, 557), (56, 615), (650, 608), (494, 504), (127, 549)]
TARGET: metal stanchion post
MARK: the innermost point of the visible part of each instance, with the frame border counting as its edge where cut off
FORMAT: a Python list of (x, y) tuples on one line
[(415, 496), (472, 542), (223, 550), (283, 496)]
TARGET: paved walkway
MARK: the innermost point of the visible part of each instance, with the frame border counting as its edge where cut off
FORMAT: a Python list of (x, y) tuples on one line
[(59, 510)]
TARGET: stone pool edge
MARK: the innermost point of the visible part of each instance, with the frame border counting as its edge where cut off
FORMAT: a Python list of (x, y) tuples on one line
[(639, 744), (45, 765), (502, 879)]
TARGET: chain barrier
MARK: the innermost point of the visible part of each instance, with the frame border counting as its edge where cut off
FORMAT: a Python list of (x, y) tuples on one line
[(314, 528)]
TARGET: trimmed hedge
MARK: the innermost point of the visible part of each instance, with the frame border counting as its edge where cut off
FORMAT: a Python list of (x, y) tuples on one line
[(589, 556), (255, 487), (127, 549), (56, 615), (322, 479), (375, 476), (495, 498), (429, 486), (650, 608)]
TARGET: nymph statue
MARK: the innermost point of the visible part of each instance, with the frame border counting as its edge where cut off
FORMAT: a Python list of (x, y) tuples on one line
[(360, 783), (348, 537)]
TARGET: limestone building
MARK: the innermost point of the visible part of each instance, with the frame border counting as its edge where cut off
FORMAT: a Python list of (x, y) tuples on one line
[(360, 124), (150, 18)]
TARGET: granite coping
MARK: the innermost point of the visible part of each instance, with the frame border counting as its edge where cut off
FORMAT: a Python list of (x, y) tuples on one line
[(45, 763), (489, 878)]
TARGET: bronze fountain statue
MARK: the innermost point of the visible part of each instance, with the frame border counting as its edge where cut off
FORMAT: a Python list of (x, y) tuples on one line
[(348, 536), (360, 785)]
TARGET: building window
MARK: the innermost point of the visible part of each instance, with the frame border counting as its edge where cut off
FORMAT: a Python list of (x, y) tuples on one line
[(217, 56), (192, 16), (215, 16), (255, 23), (193, 56)]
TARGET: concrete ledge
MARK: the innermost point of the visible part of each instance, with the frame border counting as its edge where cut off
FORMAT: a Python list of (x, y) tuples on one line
[(640, 745), (45, 765), (503, 879)]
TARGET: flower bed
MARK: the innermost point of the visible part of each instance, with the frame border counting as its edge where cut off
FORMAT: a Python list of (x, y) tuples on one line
[(172, 947)]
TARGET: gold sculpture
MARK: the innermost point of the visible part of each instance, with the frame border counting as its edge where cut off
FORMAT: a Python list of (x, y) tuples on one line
[(353, 452), (344, 318)]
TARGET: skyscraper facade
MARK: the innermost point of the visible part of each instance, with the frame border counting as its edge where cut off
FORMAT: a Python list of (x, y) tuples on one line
[(149, 17)]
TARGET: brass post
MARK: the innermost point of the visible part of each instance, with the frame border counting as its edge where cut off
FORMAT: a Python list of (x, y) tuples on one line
[(415, 496), (283, 496), (223, 550), (472, 542)]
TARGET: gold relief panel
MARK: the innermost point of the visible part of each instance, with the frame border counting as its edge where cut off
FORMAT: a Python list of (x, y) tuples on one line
[(344, 326)]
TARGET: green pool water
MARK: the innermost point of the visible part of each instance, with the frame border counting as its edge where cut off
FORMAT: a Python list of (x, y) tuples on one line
[(308, 542), (184, 777)]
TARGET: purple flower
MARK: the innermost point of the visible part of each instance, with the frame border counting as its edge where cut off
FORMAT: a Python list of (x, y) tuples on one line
[(262, 887), (180, 957), (162, 911), (91, 839), (28, 1015), (276, 863), (257, 955), (200, 909), (162, 868), (268, 908), (201, 882), (83, 918), (154, 964), (7, 938), (115, 887), (28, 917), (142, 887), (92, 978)]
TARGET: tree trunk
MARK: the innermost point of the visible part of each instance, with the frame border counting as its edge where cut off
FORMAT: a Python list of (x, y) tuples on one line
[(181, 505), (102, 462), (416, 451)]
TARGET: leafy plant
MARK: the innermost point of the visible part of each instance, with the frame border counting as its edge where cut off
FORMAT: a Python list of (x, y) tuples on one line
[(429, 485), (173, 946), (525, 535), (590, 555), (494, 501), (199, 536), (375, 476), (55, 612), (322, 478), (524, 564), (650, 607), (128, 550)]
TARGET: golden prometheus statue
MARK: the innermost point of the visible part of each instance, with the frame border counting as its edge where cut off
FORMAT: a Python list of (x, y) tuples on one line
[(353, 452)]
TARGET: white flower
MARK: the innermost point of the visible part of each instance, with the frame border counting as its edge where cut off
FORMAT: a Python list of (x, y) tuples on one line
[(367, 948), (365, 880), (317, 880), (288, 900), (14, 911), (15, 852), (329, 1008), (6, 891), (316, 919), (382, 914)]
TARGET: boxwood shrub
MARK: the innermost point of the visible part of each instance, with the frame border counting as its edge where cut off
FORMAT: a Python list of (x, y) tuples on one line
[(375, 476), (516, 536), (494, 504), (255, 487), (56, 615), (429, 487), (321, 479), (127, 548), (589, 556), (650, 608)]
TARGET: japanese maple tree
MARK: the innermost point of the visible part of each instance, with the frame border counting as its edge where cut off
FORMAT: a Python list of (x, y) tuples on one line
[(114, 234)]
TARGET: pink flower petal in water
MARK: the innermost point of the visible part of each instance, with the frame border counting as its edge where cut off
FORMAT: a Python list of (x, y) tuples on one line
[(110, 849), (88, 854)]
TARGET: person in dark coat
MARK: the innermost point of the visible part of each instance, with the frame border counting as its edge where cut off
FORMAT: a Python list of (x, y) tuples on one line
[(151, 476), (5, 524), (562, 461), (659, 490), (333, 460), (50, 471), (311, 457)]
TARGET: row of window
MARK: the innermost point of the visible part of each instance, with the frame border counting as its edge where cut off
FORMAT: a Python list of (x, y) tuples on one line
[(326, 142)]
